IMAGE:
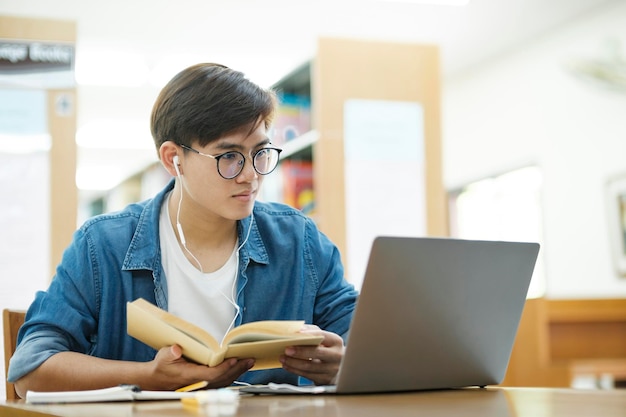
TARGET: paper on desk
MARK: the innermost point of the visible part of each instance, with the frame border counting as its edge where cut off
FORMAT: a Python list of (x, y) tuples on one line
[(119, 393)]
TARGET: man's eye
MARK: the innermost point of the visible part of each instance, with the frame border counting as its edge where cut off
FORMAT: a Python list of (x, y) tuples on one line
[(229, 156)]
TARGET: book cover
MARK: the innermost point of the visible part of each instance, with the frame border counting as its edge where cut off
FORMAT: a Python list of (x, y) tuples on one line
[(298, 185), (293, 118)]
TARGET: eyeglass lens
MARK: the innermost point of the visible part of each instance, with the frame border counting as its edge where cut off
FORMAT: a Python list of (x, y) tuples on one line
[(264, 161)]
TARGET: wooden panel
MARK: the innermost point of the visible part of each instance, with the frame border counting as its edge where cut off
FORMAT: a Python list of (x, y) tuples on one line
[(330, 191), (530, 363), (352, 69), (63, 190), (560, 339), (37, 29), (610, 309), (581, 329), (587, 340)]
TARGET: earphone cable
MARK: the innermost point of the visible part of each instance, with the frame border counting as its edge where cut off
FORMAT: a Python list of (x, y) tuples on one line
[(231, 299), (181, 234)]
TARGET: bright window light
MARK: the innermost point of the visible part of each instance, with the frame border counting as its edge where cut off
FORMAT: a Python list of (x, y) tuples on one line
[(171, 65), (24, 144), (503, 207), (98, 178), (103, 67), (115, 134)]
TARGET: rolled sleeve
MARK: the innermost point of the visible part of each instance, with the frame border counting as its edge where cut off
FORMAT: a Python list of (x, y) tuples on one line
[(34, 350)]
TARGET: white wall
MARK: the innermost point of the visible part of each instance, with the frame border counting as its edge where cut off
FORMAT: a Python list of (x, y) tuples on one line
[(526, 108)]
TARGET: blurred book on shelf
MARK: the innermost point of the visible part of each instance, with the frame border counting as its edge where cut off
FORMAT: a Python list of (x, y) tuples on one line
[(293, 118), (298, 185)]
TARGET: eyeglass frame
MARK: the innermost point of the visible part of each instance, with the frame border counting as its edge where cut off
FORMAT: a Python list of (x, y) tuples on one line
[(217, 159)]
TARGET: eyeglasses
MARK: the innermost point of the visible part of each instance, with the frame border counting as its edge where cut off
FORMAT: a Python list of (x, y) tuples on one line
[(230, 164)]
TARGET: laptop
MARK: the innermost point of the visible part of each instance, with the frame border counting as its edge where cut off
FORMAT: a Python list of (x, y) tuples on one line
[(433, 313)]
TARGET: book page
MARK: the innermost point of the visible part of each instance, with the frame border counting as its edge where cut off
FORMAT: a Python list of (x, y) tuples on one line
[(267, 352), (264, 330)]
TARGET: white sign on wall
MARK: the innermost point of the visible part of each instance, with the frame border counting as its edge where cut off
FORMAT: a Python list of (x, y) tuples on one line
[(384, 175)]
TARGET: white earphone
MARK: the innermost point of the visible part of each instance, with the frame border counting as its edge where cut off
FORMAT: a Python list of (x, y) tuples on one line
[(175, 162), (178, 225)]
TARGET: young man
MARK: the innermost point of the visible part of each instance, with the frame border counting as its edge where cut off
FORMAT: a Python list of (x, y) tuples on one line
[(202, 248)]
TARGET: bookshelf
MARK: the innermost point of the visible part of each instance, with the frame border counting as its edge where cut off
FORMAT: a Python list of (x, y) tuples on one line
[(300, 146), (352, 84)]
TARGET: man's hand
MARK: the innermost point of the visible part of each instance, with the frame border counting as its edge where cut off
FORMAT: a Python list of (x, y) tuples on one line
[(319, 363), (171, 371)]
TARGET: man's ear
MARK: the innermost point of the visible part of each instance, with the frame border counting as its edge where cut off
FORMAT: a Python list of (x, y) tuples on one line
[(167, 153)]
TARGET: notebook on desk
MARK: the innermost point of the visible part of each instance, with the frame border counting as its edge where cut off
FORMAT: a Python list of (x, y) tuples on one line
[(433, 313)]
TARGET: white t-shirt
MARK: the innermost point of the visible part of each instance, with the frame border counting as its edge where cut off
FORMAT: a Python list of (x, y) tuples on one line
[(204, 299)]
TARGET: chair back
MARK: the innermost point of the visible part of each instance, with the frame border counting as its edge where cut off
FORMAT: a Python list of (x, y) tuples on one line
[(12, 320)]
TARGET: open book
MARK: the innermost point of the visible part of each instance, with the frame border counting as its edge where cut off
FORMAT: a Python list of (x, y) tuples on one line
[(263, 340)]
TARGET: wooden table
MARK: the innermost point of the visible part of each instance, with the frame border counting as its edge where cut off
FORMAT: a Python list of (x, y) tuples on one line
[(500, 402)]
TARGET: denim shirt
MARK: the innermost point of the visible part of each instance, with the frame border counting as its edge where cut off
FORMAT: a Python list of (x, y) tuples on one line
[(288, 270)]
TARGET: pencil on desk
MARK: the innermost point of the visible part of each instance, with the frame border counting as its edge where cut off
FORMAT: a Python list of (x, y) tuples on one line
[(193, 387)]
